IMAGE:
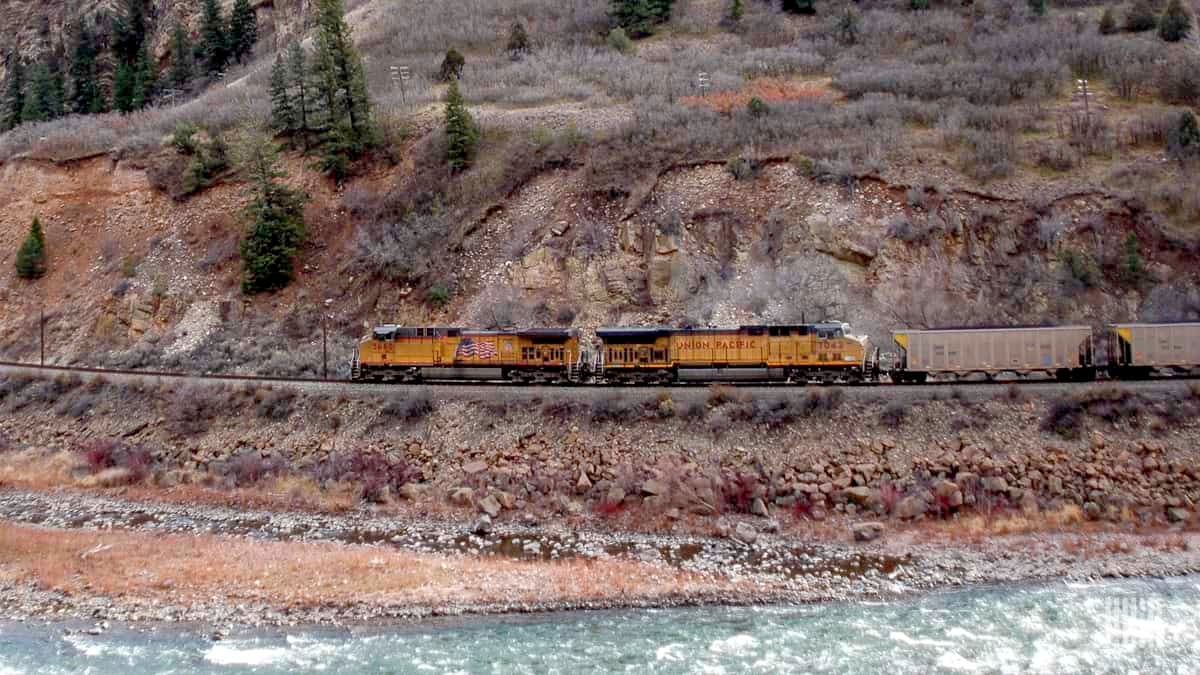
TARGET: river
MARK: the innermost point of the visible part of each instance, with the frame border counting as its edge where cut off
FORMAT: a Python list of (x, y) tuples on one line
[(1146, 626)]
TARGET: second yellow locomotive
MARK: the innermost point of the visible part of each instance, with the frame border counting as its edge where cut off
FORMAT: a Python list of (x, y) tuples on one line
[(800, 353)]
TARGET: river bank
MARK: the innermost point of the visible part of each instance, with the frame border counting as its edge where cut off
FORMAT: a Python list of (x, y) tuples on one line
[(102, 558), (1139, 625)]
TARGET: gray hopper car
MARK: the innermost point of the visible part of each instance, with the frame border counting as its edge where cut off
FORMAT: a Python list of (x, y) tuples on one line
[(1142, 349), (1064, 352)]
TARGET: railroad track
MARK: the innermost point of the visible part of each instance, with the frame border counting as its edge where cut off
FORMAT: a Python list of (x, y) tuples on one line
[(463, 389)]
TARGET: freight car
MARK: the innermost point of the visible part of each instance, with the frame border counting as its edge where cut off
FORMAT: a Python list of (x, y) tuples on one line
[(1144, 349), (394, 353), (1063, 352), (800, 353)]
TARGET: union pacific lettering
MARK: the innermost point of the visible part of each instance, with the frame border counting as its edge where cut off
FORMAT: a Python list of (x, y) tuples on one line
[(717, 344)]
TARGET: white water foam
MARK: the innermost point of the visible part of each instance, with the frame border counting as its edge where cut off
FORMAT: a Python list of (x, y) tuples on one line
[(225, 654), (671, 652), (904, 637), (953, 661), (733, 645), (92, 647)]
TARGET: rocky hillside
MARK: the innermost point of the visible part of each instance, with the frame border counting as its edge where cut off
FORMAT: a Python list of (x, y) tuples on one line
[(877, 186)]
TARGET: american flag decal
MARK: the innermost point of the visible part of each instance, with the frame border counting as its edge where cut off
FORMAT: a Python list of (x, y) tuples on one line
[(468, 347)]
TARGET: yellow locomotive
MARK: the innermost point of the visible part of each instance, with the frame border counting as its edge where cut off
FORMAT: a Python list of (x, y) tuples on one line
[(822, 352), (410, 354)]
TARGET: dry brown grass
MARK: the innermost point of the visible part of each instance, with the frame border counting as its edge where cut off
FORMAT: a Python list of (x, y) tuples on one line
[(37, 469), (184, 569), (768, 89), (977, 526)]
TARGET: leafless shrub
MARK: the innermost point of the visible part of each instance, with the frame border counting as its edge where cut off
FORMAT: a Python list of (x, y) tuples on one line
[(407, 406), (275, 404), (612, 407), (102, 454), (989, 155), (894, 414)]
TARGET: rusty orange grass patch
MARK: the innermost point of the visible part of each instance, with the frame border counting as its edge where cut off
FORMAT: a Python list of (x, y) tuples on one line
[(769, 89), (184, 569)]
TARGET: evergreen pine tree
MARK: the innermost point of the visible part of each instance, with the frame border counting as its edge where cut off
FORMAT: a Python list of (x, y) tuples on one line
[(213, 38), (84, 87), (799, 6), (277, 227), (14, 93), (181, 57), (39, 104), (452, 65), (243, 30), (918, 5), (1184, 140), (1108, 22), (129, 30), (58, 85), (635, 17), (124, 84), (736, 11), (1176, 23), (461, 133), (283, 109), (145, 81), (518, 41), (1038, 7), (31, 257), (301, 101), (341, 85)]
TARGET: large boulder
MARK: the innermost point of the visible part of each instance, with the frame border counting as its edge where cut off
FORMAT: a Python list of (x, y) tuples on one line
[(909, 508), (462, 496), (867, 531), (490, 506), (745, 533)]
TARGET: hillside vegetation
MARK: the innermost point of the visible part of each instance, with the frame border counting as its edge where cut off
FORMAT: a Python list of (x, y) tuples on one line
[(886, 162)]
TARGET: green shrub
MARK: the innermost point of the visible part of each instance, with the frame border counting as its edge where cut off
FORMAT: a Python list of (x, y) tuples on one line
[(452, 65), (758, 107), (31, 257), (1176, 23), (742, 168), (461, 133), (439, 295), (1108, 22), (1083, 268), (799, 6), (208, 162), (1184, 140), (619, 40), (184, 138), (1140, 17)]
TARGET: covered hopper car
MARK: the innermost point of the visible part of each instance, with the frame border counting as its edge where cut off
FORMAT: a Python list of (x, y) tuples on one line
[(1064, 352), (1145, 349)]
